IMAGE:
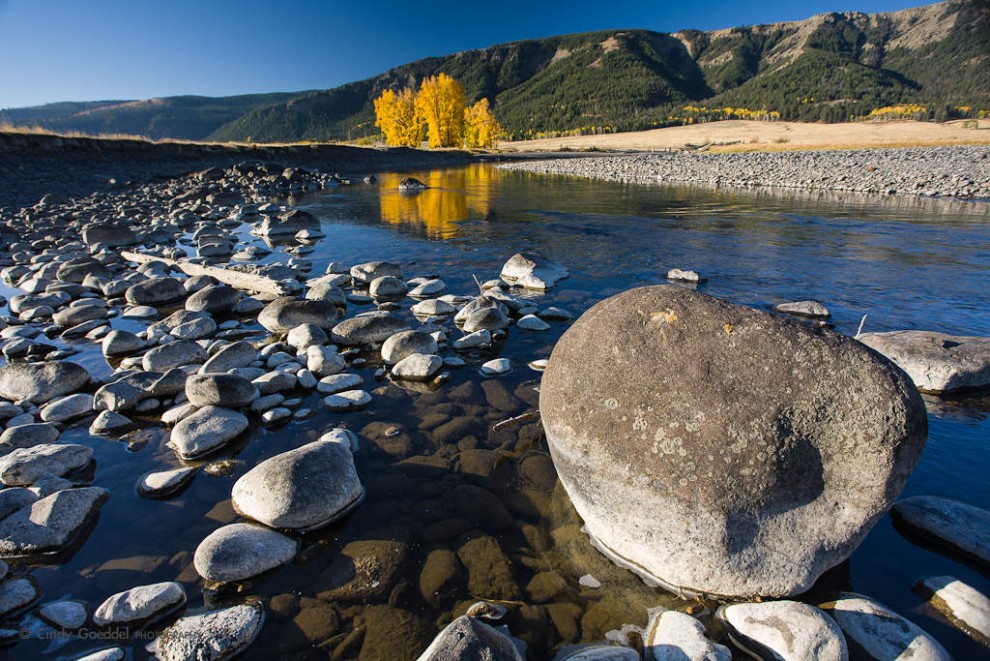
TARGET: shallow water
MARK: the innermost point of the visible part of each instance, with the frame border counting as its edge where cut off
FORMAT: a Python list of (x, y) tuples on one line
[(903, 263)]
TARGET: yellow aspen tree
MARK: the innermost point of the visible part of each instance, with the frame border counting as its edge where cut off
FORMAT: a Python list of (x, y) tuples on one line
[(395, 115), (481, 129), (440, 104)]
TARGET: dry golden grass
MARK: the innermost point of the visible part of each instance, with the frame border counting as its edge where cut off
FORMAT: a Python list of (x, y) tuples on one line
[(741, 135)]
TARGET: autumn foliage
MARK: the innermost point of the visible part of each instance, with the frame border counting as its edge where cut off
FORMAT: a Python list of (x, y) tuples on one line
[(437, 110)]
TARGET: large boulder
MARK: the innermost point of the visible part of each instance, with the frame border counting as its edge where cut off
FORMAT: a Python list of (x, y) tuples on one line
[(936, 362), (717, 449), (284, 314), (41, 382), (301, 489)]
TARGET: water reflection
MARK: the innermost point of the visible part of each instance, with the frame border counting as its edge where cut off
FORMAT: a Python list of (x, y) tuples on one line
[(453, 196)]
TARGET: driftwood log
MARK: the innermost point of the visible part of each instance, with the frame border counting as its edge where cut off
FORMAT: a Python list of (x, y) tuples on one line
[(237, 279)]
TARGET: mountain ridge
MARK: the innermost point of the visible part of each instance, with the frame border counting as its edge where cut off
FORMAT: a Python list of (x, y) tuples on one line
[(830, 67)]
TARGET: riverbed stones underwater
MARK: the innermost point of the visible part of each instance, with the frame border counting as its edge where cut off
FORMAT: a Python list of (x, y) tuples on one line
[(467, 510)]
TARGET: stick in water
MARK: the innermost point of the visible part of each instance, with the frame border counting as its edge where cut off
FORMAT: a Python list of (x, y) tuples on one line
[(860, 331)]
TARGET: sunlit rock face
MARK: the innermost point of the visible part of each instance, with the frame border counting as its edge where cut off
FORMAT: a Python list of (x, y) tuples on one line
[(717, 449)]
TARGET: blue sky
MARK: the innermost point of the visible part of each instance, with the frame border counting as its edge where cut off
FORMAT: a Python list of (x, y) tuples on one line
[(80, 50)]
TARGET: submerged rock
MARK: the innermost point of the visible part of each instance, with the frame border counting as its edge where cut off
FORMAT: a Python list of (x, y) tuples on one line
[(217, 634), (16, 594), (962, 527), (241, 550), (936, 362), (159, 484), (51, 523), (784, 630), (301, 489), (707, 445), (882, 633)]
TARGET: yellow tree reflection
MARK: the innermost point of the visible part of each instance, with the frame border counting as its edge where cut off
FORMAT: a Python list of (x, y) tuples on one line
[(453, 196)]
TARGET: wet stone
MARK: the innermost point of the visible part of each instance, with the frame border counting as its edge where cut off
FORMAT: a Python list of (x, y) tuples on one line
[(217, 634), (140, 604), (365, 570), (50, 523), (110, 423), (26, 436), (67, 614), (206, 430), (159, 484), (16, 594), (489, 570), (240, 551), (24, 466)]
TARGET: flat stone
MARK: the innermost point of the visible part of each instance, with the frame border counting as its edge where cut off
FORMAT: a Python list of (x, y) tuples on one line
[(347, 400), (417, 367), (433, 307), (232, 356), (283, 314), (160, 484), (967, 608), (108, 654), (41, 382), (155, 292), (496, 367), (335, 383), (784, 630), (173, 354), (49, 524), (24, 466), (735, 434), (140, 604), (16, 594), (674, 636), (228, 390), (962, 527), (470, 638), (370, 329), (66, 614), (812, 309), (206, 430), (26, 436), (936, 362), (301, 489), (67, 408), (882, 633), (240, 551)]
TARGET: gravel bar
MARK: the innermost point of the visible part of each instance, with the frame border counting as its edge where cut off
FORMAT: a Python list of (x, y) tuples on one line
[(960, 172)]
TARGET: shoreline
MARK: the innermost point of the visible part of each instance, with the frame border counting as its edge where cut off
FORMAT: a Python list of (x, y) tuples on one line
[(958, 172)]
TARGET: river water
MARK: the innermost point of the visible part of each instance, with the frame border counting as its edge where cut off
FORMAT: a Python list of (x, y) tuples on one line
[(475, 511)]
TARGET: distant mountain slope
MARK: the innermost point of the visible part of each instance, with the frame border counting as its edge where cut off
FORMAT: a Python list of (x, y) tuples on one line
[(181, 117), (826, 68)]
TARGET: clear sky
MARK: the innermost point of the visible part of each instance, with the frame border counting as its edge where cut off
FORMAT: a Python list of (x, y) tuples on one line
[(82, 50)]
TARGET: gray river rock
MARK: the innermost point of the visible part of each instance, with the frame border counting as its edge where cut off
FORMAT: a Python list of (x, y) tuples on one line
[(26, 436), (155, 292), (880, 632), (661, 406), (228, 390), (470, 638), (962, 527), (532, 271), (370, 329), (784, 630), (284, 314), (217, 634), (24, 466), (173, 354), (50, 523), (676, 636), (206, 430), (41, 382), (964, 606), (301, 489), (407, 343), (160, 484), (239, 551), (140, 604), (16, 594), (232, 356), (936, 362)]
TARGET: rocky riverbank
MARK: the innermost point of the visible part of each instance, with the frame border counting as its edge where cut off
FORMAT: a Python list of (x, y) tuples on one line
[(957, 172)]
